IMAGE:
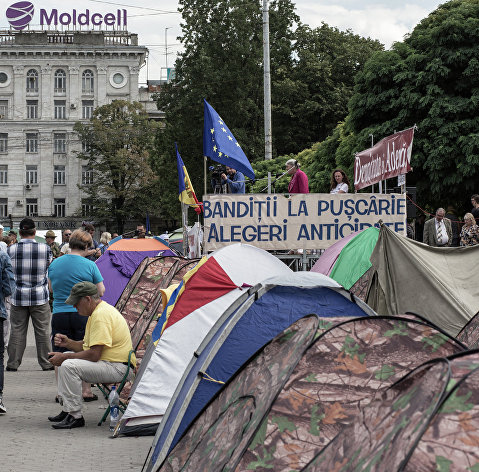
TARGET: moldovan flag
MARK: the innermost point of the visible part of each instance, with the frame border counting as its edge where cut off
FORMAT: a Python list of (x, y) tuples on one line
[(186, 193)]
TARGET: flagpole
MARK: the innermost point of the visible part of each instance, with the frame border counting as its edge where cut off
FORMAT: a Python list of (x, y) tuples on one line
[(184, 217), (268, 143), (204, 173)]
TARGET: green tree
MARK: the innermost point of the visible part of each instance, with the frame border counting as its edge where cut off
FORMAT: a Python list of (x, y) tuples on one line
[(311, 98), (222, 62), (119, 143), (429, 80)]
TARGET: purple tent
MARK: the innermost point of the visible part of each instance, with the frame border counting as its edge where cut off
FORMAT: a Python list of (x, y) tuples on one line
[(119, 262)]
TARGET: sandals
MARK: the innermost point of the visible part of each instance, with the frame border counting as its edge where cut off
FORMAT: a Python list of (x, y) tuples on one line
[(90, 399)]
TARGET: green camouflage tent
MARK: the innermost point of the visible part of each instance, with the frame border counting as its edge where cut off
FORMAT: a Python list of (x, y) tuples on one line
[(294, 397)]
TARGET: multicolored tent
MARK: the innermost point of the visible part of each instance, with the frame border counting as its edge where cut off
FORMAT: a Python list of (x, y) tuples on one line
[(347, 260), (304, 388), (270, 307), (121, 259), (200, 300)]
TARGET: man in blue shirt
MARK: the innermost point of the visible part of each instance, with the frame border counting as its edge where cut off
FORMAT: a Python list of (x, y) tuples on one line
[(234, 179)]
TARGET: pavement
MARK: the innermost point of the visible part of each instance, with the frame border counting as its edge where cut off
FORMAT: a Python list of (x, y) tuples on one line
[(28, 443)]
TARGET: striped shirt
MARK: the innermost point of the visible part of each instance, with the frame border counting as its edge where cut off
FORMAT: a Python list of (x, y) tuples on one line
[(30, 261)]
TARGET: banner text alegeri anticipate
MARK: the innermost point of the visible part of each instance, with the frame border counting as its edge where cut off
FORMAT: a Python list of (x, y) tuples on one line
[(308, 221)]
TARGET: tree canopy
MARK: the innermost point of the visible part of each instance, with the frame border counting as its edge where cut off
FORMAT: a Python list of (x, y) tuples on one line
[(312, 75), (118, 147), (429, 80)]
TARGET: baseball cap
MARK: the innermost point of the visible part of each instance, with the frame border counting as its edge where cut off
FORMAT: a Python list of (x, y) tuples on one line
[(80, 290), (1, 226), (27, 223), (50, 234)]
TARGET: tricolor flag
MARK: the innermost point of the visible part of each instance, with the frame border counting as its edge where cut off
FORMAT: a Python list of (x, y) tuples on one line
[(186, 193), (220, 145)]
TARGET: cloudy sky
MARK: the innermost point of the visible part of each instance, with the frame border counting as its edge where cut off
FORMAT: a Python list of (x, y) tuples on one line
[(157, 20)]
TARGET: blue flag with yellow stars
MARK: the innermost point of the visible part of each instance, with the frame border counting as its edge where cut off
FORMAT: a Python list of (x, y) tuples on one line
[(220, 145)]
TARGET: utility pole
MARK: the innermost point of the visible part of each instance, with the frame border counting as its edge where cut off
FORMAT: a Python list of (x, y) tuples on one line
[(268, 140), (166, 51)]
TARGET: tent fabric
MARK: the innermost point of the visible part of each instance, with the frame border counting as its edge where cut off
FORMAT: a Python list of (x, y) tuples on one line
[(244, 266), (353, 261), (267, 374), (469, 335), (325, 263), (119, 262), (259, 320), (428, 421), (344, 369), (438, 283), (141, 300)]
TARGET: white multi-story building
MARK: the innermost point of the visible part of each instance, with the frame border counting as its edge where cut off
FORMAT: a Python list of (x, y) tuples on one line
[(48, 81)]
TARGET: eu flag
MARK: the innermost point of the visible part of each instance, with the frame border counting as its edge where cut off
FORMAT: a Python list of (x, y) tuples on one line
[(220, 145)]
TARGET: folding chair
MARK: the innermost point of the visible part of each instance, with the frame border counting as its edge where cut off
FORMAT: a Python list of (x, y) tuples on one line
[(137, 332)]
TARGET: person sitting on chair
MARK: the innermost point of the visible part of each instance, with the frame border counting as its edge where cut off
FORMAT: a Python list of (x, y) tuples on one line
[(102, 356)]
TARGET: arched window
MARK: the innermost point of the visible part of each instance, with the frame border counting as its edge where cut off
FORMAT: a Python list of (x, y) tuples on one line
[(32, 81), (60, 81), (87, 81)]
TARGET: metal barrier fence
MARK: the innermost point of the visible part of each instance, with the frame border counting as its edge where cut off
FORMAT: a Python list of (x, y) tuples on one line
[(299, 262)]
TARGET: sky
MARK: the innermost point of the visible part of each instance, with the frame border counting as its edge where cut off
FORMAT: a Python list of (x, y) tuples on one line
[(157, 22)]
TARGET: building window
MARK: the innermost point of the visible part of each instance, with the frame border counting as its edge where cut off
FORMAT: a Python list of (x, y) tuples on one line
[(32, 109), (32, 207), (86, 208), (87, 81), (60, 109), (86, 175), (58, 175), (3, 142), (3, 207), (59, 143), (85, 147), (3, 109), (32, 81), (60, 82), (32, 142), (59, 207), (87, 109), (3, 174), (32, 175)]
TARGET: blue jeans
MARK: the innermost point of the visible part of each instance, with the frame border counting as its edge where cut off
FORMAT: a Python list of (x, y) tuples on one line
[(2, 353)]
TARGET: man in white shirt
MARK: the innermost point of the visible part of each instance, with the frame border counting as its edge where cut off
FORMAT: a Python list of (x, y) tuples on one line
[(438, 230)]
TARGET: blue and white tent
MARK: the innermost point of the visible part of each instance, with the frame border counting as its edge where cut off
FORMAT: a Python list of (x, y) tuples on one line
[(246, 326)]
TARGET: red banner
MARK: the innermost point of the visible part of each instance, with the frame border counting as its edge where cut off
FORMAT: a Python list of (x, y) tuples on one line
[(390, 157)]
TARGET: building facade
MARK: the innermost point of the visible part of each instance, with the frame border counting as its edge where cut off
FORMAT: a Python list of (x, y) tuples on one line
[(49, 80)]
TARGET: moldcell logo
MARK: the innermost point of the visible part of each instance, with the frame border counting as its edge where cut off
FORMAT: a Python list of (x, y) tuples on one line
[(20, 14)]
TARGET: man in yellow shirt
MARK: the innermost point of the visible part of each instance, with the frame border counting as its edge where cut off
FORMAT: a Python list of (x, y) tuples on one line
[(102, 356)]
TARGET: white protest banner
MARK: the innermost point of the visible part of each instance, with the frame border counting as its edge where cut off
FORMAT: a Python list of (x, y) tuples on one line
[(300, 221)]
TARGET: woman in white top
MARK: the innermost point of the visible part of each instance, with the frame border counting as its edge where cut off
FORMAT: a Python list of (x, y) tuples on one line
[(339, 182)]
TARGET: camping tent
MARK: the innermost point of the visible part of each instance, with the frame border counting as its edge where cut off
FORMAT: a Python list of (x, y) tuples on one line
[(142, 300), (296, 394), (206, 292), (438, 283), (119, 262), (394, 274), (428, 421), (270, 307)]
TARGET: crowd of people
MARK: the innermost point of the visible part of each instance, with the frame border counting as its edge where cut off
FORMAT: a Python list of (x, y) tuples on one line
[(81, 337)]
